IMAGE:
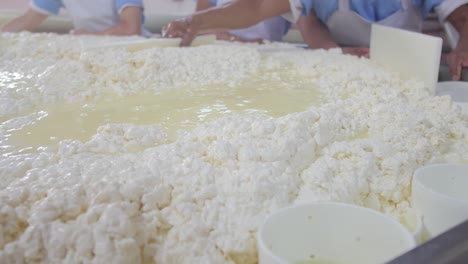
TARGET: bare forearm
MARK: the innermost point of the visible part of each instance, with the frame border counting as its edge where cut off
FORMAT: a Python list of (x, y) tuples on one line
[(28, 22), (459, 19), (314, 33), (203, 5), (239, 14)]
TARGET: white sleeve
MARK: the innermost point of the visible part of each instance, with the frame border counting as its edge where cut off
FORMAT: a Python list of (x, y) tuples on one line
[(447, 7), (295, 12)]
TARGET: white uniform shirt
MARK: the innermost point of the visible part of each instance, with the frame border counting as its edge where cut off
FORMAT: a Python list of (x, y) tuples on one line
[(90, 15), (342, 15), (272, 29), (325, 8)]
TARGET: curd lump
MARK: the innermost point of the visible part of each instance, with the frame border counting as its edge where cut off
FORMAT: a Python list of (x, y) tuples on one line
[(176, 155)]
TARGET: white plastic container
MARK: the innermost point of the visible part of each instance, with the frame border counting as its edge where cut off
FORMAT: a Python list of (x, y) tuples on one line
[(440, 194), (458, 92), (329, 232)]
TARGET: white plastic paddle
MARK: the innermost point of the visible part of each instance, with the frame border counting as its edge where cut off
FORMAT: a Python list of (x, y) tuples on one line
[(141, 44), (413, 55)]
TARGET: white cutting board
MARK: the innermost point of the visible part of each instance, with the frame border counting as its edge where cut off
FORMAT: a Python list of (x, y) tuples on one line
[(141, 44), (413, 55)]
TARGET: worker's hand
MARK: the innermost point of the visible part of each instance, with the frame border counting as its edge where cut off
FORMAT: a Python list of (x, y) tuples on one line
[(457, 60), (181, 28), (356, 51)]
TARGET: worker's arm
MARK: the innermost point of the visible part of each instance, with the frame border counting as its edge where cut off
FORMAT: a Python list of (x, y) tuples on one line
[(317, 36), (29, 21), (236, 15), (203, 5), (224, 35), (129, 24), (315, 33), (459, 19), (458, 58)]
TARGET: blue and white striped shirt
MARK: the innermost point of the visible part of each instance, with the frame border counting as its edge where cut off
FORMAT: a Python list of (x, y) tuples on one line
[(52, 7), (371, 10)]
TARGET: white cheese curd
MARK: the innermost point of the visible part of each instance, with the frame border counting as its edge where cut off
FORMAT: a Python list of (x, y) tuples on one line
[(176, 155)]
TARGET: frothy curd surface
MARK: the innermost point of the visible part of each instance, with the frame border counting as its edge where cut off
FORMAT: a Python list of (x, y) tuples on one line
[(176, 155)]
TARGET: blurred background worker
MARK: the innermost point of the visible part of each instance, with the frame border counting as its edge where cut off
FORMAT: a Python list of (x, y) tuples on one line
[(348, 22), (103, 17), (331, 23), (271, 29)]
